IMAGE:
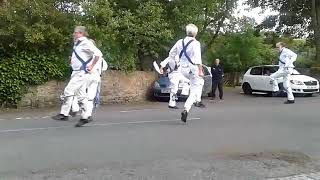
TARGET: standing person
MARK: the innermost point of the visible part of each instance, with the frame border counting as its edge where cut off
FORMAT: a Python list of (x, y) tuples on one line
[(189, 52), (286, 60), (85, 55), (217, 79), (175, 76)]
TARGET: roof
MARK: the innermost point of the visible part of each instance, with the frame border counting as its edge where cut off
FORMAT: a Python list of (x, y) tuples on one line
[(270, 65)]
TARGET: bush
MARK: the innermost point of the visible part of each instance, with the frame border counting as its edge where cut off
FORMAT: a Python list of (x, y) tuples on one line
[(23, 70)]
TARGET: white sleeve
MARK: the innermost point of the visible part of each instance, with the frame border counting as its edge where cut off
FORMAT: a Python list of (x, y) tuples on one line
[(197, 53), (165, 62), (290, 57), (90, 47)]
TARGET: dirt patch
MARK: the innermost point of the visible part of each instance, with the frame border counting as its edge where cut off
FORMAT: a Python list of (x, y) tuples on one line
[(291, 157)]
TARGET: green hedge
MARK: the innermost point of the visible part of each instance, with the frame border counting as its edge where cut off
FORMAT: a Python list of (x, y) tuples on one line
[(22, 70)]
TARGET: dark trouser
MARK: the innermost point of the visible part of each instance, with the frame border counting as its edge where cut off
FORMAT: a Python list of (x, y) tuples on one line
[(219, 84)]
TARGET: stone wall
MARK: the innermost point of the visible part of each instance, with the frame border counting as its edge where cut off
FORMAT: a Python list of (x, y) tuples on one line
[(117, 87)]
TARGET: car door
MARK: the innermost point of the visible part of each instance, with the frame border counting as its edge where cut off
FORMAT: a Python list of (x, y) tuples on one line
[(255, 78), (264, 81), (207, 80)]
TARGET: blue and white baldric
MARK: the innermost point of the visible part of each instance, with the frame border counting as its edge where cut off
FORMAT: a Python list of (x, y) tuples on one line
[(83, 62), (281, 62), (184, 51)]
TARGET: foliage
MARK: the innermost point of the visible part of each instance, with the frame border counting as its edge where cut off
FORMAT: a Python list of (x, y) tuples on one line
[(26, 69), (297, 18), (239, 50), (305, 50), (34, 26)]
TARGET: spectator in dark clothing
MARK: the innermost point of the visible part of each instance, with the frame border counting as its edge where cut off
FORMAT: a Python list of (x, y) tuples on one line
[(217, 79)]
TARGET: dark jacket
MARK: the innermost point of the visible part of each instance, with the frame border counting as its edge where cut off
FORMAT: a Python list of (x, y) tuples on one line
[(217, 72)]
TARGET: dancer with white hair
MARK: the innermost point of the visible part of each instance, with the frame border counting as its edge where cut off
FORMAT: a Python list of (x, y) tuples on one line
[(189, 52)]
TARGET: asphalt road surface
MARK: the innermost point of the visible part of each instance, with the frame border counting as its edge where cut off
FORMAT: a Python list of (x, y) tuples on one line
[(244, 137)]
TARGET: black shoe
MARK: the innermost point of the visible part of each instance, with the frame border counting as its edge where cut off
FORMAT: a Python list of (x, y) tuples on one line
[(200, 105), (82, 122), (60, 117), (73, 114), (289, 102), (173, 107), (90, 119), (184, 116)]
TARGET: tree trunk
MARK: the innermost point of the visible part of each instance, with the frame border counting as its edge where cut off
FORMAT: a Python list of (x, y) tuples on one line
[(316, 27)]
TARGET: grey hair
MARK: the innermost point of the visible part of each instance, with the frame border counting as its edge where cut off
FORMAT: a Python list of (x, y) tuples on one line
[(191, 30), (81, 29), (281, 44)]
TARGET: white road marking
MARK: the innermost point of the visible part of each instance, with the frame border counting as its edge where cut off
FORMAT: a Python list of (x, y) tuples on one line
[(33, 129), (137, 110), (137, 122), (310, 176), (51, 114), (89, 125)]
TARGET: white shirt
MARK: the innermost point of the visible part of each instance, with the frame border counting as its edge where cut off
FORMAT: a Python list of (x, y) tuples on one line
[(193, 51), (86, 50), (286, 58), (97, 67)]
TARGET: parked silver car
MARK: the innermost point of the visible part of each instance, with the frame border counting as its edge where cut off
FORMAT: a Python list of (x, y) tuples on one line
[(161, 88)]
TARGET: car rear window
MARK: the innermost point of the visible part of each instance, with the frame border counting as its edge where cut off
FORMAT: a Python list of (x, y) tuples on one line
[(256, 71), (206, 71)]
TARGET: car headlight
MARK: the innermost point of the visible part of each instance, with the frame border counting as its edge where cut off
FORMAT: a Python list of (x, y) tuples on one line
[(296, 82), (156, 85)]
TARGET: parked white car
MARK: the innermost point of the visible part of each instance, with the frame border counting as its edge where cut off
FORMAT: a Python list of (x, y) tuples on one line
[(257, 79)]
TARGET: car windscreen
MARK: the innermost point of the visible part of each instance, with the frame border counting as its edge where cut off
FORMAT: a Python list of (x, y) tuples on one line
[(256, 71), (268, 70)]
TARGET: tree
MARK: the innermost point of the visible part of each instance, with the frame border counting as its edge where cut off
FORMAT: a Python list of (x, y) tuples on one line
[(35, 26), (239, 50), (208, 15), (296, 17), (129, 31)]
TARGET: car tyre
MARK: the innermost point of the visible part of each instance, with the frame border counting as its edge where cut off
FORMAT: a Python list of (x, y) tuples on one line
[(247, 89)]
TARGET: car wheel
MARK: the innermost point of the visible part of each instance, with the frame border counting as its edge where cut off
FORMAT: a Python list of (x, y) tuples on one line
[(247, 88), (282, 91), (281, 88), (270, 94)]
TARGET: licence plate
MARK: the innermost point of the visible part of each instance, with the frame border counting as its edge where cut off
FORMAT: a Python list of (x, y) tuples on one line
[(165, 90), (311, 87)]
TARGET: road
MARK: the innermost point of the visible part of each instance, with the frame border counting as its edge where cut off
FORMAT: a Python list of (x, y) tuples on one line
[(244, 137)]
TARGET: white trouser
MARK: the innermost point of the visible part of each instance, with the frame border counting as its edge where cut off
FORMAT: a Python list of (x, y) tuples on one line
[(285, 73), (76, 86), (92, 90), (196, 84), (199, 91), (75, 103), (175, 78)]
